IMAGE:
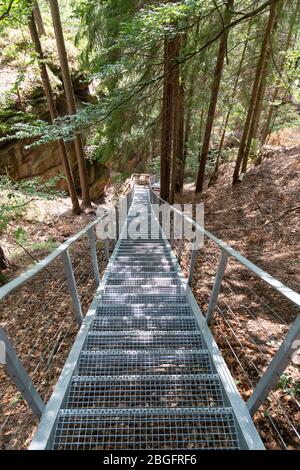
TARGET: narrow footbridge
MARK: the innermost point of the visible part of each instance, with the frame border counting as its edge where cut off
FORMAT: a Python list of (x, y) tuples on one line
[(145, 372)]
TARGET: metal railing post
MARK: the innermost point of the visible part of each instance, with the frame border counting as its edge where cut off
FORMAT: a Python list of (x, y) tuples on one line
[(217, 286), (72, 286), (117, 223), (106, 249), (92, 242), (277, 366), (172, 227), (192, 266), (180, 244), (20, 377)]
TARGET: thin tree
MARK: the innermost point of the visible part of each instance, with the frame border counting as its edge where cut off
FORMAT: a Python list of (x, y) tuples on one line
[(53, 111), (293, 19), (70, 98), (235, 87), (255, 90), (187, 126), (214, 98), (38, 19)]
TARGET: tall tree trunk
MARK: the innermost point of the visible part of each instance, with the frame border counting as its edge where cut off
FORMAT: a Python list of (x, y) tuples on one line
[(187, 130), (53, 111), (256, 114), (294, 18), (70, 98), (178, 122), (167, 118), (237, 79), (255, 90), (38, 19), (213, 99)]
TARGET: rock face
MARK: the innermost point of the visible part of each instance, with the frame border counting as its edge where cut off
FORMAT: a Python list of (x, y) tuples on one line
[(44, 161)]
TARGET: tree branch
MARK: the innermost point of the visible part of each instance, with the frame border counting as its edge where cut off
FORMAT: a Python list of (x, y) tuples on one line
[(7, 12)]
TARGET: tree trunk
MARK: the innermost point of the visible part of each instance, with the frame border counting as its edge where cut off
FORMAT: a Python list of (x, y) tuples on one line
[(256, 115), (178, 122), (167, 119), (70, 98), (294, 18), (232, 98), (3, 261), (187, 130), (213, 100), (38, 19), (255, 91), (53, 111)]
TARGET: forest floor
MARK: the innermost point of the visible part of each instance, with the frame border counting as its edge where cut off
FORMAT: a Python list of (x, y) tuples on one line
[(260, 218)]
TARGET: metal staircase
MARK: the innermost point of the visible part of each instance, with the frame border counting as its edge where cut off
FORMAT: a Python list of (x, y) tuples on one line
[(146, 373)]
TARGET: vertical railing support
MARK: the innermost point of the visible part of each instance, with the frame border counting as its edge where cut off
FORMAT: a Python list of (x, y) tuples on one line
[(192, 265), (72, 286), (19, 376), (172, 228), (217, 286), (181, 239), (106, 249), (92, 241), (277, 366), (117, 223)]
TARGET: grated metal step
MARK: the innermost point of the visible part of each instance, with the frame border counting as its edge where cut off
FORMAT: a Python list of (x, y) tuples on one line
[(190, 428), (145, 362), (153, 310), (145, 322), (144, 391), (139, 340), (147, 290), (143, 281), (117, 298)]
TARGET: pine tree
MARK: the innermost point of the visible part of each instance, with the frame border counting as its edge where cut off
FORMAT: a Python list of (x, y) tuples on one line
[(69, 93)]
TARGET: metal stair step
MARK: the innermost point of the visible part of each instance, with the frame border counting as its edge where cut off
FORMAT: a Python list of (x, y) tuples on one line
[(145, 322), (163, 429), (145, 362), (144, 260), (145, 290), (135, 269), (142, 298), (145, 391), (144, 281), (142, 309), (143, 276), (139, 340), (141, 259)]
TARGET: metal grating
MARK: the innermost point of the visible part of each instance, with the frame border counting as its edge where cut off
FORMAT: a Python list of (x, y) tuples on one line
[(156, 391), (137, 309), (140, 321), (136, 269), (144, 362), (146, 429), (139, 340), (146, 290), (114, 298), (144, 282)]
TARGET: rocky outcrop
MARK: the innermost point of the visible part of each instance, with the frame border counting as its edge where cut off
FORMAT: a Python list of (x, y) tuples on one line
[(20, 162), (44, 161)]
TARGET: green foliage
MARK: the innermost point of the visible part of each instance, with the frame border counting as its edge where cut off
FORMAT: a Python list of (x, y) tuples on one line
[(288, 386), (32, 187)]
